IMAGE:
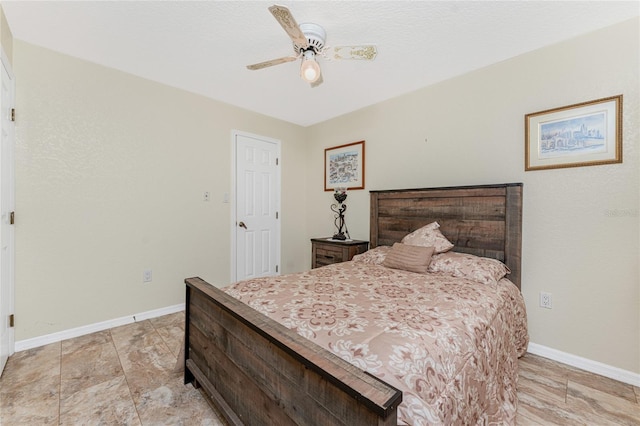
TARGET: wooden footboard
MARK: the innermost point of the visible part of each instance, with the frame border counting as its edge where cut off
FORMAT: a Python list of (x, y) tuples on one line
[(258, 372)]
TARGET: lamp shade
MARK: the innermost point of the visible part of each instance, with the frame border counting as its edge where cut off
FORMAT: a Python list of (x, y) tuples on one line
[(310, 69)]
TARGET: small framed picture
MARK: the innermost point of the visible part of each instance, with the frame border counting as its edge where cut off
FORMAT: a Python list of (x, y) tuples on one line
[(344, 166), (585, 134)]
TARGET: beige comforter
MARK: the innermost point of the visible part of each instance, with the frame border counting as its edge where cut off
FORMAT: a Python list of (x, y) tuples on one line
[(450, 344)]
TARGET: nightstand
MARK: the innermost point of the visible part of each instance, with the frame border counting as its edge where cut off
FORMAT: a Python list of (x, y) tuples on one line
[(325, 251)]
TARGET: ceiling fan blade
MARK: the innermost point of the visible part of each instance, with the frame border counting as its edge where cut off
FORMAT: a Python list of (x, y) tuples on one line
[(289, 24), (363, 52), (271, 63)]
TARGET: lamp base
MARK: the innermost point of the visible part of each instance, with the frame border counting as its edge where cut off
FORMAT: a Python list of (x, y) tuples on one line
[(339, 236)]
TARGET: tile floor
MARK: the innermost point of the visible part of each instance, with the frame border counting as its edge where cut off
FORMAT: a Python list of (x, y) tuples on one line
[(550, 393), (121, 376), (126, 376)]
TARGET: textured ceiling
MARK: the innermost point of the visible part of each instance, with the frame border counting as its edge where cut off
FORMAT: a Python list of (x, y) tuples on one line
[(204, 46)]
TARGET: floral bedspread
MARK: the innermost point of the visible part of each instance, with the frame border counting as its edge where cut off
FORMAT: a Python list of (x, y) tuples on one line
[(450, 344)]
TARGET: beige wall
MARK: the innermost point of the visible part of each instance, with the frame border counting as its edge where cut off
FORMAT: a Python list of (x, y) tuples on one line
[(574, 244), (6, 38), (110, 175)]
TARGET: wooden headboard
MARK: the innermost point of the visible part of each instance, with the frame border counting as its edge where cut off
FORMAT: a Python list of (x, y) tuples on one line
[(485, 220)]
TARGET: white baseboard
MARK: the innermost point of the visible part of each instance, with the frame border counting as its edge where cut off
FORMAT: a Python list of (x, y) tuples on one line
[(543, 351), (35, 342), (586, 364)]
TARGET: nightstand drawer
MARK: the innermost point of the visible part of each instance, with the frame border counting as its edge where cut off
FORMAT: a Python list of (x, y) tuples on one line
[(326, 251), (326, 254)]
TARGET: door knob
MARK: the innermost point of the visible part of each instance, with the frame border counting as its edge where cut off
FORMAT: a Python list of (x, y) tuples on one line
[(242, 225)]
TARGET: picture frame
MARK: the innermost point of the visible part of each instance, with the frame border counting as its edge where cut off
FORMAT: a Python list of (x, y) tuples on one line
[(344, 166), (584, 134)]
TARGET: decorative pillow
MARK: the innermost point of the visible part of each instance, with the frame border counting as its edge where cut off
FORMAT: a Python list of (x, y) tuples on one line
[(428, 236), (375, 256), (481, 269), (409, 258)]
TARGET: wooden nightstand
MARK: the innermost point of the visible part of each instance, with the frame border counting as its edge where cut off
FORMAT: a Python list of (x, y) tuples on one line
[(325, 251)]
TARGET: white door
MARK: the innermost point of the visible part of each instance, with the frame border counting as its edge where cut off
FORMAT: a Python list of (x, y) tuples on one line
[(7, 91), (257, 203)]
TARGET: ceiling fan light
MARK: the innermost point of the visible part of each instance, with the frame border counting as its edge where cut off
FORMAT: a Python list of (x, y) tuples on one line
[(310, 69)]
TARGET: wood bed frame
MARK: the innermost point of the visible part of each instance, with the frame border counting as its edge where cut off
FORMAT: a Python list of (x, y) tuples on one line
[(256, 371), (483, 220)]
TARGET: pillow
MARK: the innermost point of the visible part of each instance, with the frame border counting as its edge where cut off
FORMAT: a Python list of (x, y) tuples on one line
[(375, 256), (409, 258), (480, 269), (428, 236)]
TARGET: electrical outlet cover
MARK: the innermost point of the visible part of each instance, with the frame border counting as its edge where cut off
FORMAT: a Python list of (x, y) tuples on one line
[(545, 300)]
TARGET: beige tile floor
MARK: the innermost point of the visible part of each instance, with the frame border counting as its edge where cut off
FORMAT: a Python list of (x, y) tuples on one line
[(550, 393), (121, 376), (126, 376)]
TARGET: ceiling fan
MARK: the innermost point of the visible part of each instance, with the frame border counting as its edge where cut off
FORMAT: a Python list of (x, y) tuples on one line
[(309, 43)]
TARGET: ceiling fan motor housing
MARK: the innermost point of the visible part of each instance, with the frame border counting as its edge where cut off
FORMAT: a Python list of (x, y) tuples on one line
[(315, 35)]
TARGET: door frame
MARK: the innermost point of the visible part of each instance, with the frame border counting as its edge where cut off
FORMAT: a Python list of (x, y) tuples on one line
[(233, 197), (11, 200)]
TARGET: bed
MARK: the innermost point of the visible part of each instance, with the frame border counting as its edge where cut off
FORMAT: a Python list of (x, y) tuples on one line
[(436, 347)]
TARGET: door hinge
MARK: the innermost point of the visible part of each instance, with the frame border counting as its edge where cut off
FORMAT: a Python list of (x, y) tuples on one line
[(276, 268), (13, 114), (11, 320), (12, 218), (277, 161), (276, 215)]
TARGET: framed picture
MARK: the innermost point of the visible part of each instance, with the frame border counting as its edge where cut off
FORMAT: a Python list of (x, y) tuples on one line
[(344, 166), (585, 134)]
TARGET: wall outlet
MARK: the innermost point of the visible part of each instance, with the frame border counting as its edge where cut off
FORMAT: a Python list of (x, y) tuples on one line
[(147, 276), (545, 300), (206, 196)]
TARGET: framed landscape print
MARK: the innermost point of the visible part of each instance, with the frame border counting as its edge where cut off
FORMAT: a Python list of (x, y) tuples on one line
[(344, 166), (585, 134)]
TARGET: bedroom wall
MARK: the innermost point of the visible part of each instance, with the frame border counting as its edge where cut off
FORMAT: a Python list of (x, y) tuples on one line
[(581, 228), (6, 38), (110, 175)]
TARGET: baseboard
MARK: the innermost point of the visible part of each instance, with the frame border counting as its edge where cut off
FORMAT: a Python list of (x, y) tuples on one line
[(586, 364), (543, 351), (35, 342)]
